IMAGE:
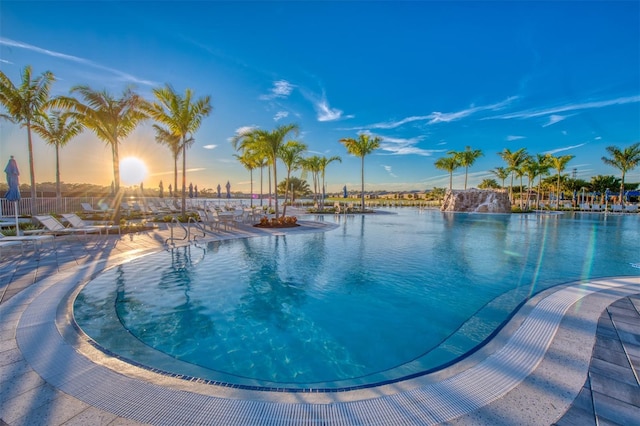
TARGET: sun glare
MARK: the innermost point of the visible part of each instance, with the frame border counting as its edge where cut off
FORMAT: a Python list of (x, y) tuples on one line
[(132, 171)]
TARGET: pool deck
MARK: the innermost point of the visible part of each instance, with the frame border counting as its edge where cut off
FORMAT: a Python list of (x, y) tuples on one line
[(571, 356)]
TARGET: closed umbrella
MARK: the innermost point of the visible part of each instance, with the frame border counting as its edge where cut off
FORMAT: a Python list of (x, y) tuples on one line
[(219, 189), (228, 185), (344, 192), (161, 187), (195, 191), (14, 187), (190, 190)]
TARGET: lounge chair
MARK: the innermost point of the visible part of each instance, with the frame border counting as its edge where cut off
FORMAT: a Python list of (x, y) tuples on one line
[(86, 207), (208, 220), (631, 208), (77, 223), (53, 226), (25, 239), (616, 208)]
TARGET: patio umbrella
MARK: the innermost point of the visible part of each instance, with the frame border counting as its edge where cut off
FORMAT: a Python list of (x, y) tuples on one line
[(195, 191), (170, 192), (344, 192), (14, 192), (161, 189), (228, 185), (219, 189), (190, 190)]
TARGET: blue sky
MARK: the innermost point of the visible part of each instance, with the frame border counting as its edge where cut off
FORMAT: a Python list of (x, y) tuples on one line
[(427, 77)]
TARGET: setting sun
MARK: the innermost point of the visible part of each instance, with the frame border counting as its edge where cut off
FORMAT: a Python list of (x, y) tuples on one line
[(132, 170)]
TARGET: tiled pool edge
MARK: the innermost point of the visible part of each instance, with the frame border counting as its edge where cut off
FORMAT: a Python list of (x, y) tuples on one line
[(410, 406)]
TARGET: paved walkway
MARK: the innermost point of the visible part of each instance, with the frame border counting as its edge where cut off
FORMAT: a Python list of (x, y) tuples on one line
[(530, 373)]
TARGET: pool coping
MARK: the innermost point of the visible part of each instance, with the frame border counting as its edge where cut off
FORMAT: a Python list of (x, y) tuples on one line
[(495, 375)]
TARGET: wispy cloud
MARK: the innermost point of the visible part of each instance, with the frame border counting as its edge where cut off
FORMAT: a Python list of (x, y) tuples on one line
[(566, 148), (440, 117), (280, 115), (388, 169), (280, 89), (4, 61), (403, 146), (570, 107), (212, 146), (242, 130), (122, 75), (512, 138), (325, 112), (555, 118)]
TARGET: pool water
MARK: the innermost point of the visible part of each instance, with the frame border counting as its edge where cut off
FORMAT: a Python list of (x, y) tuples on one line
[(378, 299)]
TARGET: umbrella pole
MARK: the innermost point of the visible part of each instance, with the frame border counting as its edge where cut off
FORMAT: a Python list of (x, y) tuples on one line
[(15, 210)]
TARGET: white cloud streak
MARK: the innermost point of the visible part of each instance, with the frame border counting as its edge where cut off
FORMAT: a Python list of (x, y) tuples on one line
[(388, 169), (212, 146), (122, 75), (566, 148), (280, 89), (280, 115), (512, 138), (555, 118), (325, 112), (569, 107), (441, 117)]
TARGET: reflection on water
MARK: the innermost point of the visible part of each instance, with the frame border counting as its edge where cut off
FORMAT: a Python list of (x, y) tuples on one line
[(381, 297)]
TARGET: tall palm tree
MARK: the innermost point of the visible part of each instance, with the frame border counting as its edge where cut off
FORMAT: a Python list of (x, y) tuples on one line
[(109, 118), (57, 129), (361, 147), (501, 173), (266, 144), (466, 159), (249, 162), (624, 160), (182, 117), (513, 159), (312, 164), (324, 162), (23, 104), (448, 164), (165, 137), (543, 166), (291, 156), (559, 164)]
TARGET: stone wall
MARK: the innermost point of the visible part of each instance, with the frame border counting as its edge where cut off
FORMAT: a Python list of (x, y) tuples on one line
[(476, 200)]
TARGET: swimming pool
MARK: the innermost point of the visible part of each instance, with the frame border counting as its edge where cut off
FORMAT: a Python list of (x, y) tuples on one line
[(378, 299)]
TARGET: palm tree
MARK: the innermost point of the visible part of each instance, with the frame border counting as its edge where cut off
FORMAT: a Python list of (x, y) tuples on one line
[(361, 147), (466, 159), (559, 164), (488, 184), (23, 105), (57, 129), (249, 162), (624, 160), (266, 144), (313, 164), (299, 187), (513, 159), (324, 162), (501, 173), (543, 166), (182, 116), (163, 136), (291, 156), (449, 164), (109, 118)]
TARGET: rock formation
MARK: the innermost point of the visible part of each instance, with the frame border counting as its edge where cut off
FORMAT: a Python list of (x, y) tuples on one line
[(476, 200)]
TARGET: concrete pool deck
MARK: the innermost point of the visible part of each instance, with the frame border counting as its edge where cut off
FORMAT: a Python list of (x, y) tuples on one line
[(570, 356)]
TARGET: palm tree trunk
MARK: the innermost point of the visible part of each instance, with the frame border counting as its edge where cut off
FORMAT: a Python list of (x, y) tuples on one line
[(450, 180), (362, 179), (58, 190), (261, 181), (622, 189), (184, 177), (251, 188), (175, 176), (466, 169), (558, 193), (275, 181), (32, 173)]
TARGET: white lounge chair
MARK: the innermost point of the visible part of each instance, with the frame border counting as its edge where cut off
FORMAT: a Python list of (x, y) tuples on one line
[(616, 208), (25, 239), (208, 220), (87, 208), (53, 226), (631, 208), (77, 223)]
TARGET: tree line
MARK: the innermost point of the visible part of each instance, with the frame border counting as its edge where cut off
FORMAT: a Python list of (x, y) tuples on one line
[(521, 164)]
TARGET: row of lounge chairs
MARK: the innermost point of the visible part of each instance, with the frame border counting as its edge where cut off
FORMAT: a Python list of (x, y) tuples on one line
[(613, 208)]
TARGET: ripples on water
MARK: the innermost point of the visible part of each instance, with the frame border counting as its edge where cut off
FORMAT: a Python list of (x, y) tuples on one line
[(378, 298)]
